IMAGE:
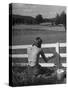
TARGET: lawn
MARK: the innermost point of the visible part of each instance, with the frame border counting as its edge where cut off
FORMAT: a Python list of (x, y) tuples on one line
[(25, 34)]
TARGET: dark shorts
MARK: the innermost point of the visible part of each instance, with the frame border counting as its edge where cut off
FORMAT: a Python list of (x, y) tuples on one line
[(37, 74), (37, 69)]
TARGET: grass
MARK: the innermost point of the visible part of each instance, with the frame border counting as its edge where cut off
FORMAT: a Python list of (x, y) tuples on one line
[(20, 78), (24, 35)]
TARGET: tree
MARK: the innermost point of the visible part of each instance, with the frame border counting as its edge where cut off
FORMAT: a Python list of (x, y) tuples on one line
[(57, 20), (63, 19), (39, 19)]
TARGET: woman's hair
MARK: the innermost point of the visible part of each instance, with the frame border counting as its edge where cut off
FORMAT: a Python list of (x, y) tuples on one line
[(37, 42)]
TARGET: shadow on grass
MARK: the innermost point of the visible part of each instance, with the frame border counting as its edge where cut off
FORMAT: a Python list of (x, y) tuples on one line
[(20, 78)]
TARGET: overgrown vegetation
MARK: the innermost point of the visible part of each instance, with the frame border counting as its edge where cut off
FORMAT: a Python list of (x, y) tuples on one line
[(20, 77)]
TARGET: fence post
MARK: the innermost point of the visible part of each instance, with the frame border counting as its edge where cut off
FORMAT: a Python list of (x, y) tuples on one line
[(58, 55), (57, 47)]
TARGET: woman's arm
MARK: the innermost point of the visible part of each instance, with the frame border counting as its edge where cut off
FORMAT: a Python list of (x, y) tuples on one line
[(45, 58), (55, 54)]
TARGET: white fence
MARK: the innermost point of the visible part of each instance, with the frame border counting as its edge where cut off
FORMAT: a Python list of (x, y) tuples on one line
[(55, 45)]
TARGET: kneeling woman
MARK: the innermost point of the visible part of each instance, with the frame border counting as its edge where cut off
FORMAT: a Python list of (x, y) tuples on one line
[(37, 74)]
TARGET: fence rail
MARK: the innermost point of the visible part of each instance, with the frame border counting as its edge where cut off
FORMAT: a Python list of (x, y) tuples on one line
[(42, 64), (51, 45), (26, 56), (43, 46)]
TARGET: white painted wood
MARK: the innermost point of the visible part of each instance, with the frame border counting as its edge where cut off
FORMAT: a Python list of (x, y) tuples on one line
[(25, 55), (42, 64), (43, 46)]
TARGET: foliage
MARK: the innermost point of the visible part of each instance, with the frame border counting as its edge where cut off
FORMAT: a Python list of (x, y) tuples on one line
[(39, 18)]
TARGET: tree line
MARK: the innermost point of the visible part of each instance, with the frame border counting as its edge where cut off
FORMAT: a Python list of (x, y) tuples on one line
[(17, 19), (59, 19)]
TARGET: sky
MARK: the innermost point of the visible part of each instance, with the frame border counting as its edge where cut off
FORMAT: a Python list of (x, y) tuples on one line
[(47, 11)]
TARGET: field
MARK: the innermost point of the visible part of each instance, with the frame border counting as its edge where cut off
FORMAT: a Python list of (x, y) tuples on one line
[(25, 34)]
